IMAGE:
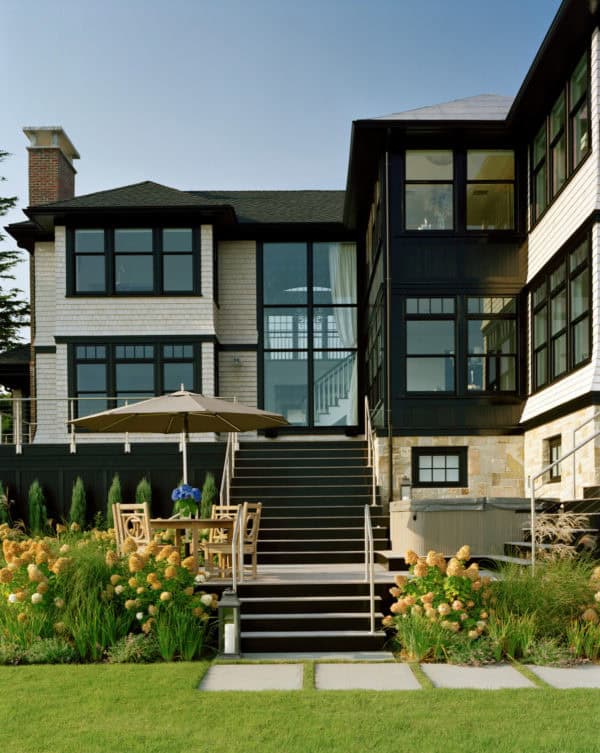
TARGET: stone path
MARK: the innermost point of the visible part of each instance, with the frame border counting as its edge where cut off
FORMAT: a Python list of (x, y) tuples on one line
[(387, 676)]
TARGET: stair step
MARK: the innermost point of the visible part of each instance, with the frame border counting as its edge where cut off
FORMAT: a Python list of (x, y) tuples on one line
[(311, 557), (311, 533), (256, 623), (279, 463), (309, 641), (317, 604), (314, 545)]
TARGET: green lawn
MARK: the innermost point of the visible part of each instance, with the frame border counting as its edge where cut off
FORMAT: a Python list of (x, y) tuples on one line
[(157, 709)]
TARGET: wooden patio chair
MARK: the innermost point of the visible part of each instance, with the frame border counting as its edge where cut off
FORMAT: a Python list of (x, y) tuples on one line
[(132, 521), (219, 541)]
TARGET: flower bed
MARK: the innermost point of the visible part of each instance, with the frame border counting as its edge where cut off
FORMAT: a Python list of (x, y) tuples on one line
[(448, 612), (73, 591)]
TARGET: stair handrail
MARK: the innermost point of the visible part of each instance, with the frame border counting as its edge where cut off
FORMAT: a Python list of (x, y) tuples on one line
[(575, 430), (237, 562), (543, 472), (372, 459), (370, 567), (233, 445)]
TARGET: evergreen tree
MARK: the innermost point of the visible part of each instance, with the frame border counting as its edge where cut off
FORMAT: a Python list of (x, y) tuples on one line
[(77, 512), (209, 496), (38, 515), (4, 504), (114, 497), (14, 310), (143, 493)]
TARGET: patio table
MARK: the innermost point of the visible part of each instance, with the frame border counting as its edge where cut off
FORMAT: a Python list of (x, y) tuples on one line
[(195, 525)]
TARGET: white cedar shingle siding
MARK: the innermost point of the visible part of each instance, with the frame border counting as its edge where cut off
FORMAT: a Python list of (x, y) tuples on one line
[(238, 380), (236, 319)]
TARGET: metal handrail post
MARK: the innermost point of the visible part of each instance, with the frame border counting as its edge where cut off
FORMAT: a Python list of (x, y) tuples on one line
[(370, 567), (17, 427), (234, 553), (72, 442)]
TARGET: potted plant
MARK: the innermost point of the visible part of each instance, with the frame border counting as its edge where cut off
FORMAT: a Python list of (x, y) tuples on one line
[(186, 500)]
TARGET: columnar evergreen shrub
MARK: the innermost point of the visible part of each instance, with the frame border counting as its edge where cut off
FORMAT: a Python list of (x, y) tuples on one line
[(4, 516), (209, 496), (143, 492), (38, 515), (77, 513), (115, 497)]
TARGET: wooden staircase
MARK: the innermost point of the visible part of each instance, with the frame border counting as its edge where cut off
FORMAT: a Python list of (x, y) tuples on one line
[(313, 495)]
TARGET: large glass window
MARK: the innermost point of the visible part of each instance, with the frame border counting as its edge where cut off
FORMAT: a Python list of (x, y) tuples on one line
[(114, 373), (492, 344), (430, 345), (490, 190), (309, 335), (579, 120), (134, 261), (90, 261), (429, 190), (560, 303), (562, 141)]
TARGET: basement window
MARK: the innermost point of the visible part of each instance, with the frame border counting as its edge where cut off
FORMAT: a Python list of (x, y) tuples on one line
[(439, 466)]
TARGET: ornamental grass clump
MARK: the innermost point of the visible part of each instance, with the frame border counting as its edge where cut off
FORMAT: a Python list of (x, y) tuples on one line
[(451, 597)]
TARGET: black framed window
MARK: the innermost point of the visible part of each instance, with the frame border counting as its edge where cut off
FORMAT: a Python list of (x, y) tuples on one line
[(439, 466), (430, 344), (490, 189), (309, 332), (560, 303), (429, 189), (579, 120), (562, 141), (375, 371), (553, 452), (134, 261), (492, 344), (89, 261), (115, 373)]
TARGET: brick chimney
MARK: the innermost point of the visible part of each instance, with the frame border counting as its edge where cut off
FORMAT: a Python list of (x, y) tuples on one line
[(51, 171)]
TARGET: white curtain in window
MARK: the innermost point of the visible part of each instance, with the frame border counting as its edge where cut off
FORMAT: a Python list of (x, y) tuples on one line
[(342, 273)]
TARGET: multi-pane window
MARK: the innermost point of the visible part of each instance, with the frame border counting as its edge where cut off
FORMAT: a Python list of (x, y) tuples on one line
[(562, 141), (375, 352), (553, 453), (579, 121), (560, 302), (111, 374), (492, 344), (134, 261), (428, 190), (439, 466), (490, 189), (430, 344), (309, 334)]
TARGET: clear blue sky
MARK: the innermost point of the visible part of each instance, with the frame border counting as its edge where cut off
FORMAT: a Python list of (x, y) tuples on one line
[(236, 94)]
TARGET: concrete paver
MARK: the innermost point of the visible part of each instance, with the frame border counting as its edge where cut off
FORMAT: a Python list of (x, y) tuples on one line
[(478, 678), (586, 676), (253, 677), (365, 677)]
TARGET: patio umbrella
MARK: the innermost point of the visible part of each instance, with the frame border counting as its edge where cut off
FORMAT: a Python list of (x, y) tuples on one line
[(180, 413)]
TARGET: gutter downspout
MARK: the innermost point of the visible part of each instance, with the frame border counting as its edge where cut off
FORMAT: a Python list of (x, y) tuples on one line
[(388, 338)]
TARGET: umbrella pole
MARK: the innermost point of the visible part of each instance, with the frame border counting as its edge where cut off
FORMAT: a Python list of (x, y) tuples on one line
[(184, 450)]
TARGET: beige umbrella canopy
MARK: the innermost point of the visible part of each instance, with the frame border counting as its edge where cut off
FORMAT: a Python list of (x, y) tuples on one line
[(180, 412)]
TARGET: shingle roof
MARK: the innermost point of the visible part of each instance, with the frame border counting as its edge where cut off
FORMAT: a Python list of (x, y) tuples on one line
[(480, 107), (279, 206), (249, 206)]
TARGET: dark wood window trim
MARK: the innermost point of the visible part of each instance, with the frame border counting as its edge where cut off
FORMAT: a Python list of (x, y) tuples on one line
[(157, 254), (544, 290), (571, 110), (460, 453)]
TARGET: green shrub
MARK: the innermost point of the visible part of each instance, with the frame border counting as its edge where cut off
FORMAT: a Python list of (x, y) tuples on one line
[(11, 653), (209, 496), (419, 639), (584, 640), (38, 515), (4, 504), (513, 636), (134, 648), (50, 651), (77, 513), (143, 492), (115, 497)]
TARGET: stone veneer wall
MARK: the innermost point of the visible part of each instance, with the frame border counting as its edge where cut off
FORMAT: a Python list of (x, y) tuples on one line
[(587, 459), (495, 466)]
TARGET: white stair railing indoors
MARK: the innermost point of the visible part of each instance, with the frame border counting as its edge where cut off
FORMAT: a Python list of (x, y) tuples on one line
[(372, 460), (370, 567)]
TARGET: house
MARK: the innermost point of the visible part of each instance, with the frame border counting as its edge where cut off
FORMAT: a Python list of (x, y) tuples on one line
[(454, 283)]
